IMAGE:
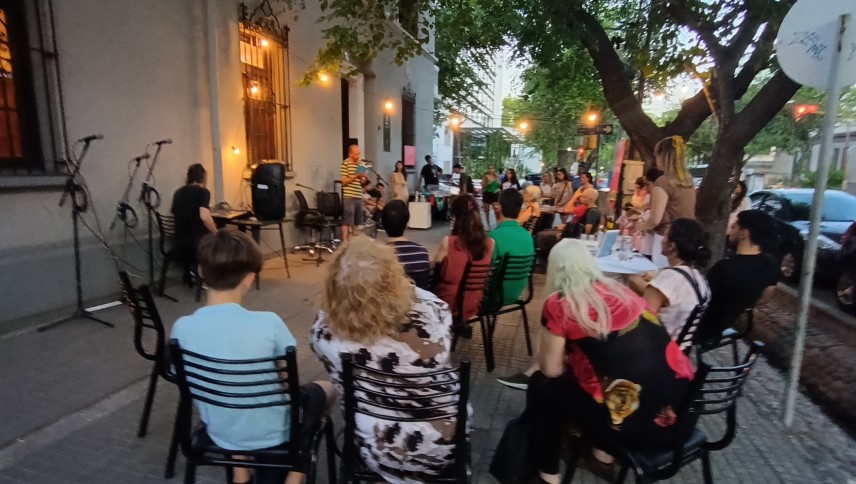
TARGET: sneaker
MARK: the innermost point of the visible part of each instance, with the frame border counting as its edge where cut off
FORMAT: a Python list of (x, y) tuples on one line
[(517, 381)]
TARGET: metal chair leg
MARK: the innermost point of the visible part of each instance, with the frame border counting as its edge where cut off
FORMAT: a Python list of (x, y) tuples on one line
[(173, 451), (526, 330), (488, 348), (147, 406), (331, 453), (705, 468), (189, 472), (164, 270)]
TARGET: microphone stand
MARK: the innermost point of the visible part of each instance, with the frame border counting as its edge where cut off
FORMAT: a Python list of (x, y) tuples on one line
[(75, 190), (151, 199), (123, 208)]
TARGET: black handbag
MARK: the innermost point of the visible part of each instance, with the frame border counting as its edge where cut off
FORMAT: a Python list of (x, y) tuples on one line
[(512, 462)]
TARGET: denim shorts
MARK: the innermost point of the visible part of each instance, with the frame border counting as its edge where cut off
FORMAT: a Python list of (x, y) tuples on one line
[(352, 214)]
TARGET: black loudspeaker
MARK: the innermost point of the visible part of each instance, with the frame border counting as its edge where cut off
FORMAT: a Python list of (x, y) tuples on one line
[(268, 191)]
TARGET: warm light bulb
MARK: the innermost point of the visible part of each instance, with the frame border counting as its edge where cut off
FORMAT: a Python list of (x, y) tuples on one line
[(235, 150), (254, 89), (264, 42), (592, 117), (323, 77), (388, 105), (524, 125), (454, 121)]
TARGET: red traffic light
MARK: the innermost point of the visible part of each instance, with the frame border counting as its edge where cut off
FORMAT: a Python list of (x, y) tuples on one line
[(801, 110), (581, 152)]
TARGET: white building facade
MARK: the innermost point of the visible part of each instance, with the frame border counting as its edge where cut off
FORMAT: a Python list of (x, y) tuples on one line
[(218, 77)]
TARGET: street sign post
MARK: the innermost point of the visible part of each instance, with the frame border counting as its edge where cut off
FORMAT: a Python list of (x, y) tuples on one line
[(604, 129), (815, 47)]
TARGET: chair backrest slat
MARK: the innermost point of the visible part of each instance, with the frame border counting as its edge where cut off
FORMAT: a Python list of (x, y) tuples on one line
[(141, 305), (394, 403), (281, 391)]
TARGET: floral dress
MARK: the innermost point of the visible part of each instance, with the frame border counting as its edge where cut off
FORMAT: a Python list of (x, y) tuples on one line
[(398, 451)]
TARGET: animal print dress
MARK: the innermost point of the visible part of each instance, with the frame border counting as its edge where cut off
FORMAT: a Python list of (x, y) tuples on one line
[(398, 451)]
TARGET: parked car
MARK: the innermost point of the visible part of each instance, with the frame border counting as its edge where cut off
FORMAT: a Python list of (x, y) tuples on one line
[(845, 281), (791, 208), (534, 178)]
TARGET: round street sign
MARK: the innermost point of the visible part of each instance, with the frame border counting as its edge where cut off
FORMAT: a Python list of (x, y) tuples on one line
[(806, 40)]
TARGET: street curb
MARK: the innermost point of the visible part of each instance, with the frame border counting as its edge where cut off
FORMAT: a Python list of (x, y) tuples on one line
[(830, 310)]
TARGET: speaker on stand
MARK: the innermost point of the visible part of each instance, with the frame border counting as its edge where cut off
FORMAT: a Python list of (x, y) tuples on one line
[(267, 185)]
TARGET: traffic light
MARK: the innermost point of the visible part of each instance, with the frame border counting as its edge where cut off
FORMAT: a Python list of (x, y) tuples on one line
[(801, 110), (581, 153)]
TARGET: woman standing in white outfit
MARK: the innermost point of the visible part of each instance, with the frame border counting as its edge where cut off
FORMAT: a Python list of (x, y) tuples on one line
[(399, 183)]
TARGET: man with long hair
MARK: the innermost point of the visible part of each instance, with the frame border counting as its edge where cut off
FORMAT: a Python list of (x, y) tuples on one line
[(192, 217)]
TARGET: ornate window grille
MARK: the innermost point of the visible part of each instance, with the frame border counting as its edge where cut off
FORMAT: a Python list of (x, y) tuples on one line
[(266, 82)]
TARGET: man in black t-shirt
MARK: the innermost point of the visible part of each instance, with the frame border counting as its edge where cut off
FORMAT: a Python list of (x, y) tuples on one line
[(429, 173), (740, 281), (192, 216)]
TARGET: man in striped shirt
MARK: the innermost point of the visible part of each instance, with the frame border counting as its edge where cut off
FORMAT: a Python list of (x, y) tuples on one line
[(352, 191), (413, 257)]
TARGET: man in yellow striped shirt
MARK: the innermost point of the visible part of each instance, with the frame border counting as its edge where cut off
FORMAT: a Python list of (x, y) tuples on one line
[(352, 192)]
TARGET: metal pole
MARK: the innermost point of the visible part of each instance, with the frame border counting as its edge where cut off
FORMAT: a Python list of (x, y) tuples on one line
[(214, 99), (833, 95)]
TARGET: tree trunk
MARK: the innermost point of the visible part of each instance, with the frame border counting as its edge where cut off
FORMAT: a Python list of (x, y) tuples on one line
[(713, 200)]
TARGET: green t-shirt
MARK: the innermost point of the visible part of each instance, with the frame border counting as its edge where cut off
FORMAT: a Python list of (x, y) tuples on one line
[(511, 238)]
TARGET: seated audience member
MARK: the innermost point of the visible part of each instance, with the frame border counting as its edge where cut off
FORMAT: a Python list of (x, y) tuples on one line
[(402, 329), (606, 364), (586, 183), (224, 329), (531, 206), (674, 292), (740, 281), (413, 256), (468, 242), (192, 217), (372, 200), (584, 223), (512, 239)]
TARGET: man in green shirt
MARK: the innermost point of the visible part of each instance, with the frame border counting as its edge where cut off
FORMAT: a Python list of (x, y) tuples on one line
[(510, 238)]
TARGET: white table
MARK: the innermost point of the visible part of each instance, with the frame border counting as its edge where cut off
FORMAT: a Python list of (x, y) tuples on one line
[(635, 265), (420, 215)]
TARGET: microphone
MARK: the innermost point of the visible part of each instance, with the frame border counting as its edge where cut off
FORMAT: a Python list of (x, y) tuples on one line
[(91, 137), (167, 141), (142, 157), (370, 162)]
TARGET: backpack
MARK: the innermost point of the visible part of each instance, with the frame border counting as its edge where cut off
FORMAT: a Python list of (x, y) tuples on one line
[(687, 334)]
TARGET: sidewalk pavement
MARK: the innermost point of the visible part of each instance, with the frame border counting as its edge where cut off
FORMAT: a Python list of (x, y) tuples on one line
[(72, 399)]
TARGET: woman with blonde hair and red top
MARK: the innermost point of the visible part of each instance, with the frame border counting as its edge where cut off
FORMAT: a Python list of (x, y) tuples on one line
[(468, 242), (673, 194)]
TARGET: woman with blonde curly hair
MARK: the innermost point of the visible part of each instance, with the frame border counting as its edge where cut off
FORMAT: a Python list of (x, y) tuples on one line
[(371, 311), (673, 194)]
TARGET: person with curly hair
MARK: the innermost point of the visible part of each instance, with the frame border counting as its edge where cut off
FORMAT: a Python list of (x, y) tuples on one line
[(371, 311)]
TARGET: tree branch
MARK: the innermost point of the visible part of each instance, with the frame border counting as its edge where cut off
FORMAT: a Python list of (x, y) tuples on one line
[(705, 30), (617, 87), (763, 107)]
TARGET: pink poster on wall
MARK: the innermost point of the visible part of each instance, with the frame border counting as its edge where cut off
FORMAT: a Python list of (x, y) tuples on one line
[(409, 155), (616, 171)]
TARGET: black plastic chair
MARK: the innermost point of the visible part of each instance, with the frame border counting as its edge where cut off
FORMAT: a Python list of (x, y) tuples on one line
[(475, 279), (316, 222), (166, 227), (510, 268), (714, 391), (423, 279), (141, 304), (729, 337), (405, 398), (205, 379)]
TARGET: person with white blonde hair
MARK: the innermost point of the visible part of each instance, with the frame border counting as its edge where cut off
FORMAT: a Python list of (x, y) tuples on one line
[(673, 195), (605, 363), (370, 310), (531, 204)]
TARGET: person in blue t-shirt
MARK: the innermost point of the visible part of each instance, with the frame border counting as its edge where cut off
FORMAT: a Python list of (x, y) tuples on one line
[(228, 262)]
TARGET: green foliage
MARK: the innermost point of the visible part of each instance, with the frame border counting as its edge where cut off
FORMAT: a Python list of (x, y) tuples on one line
[(808, 179), (492, 150)]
